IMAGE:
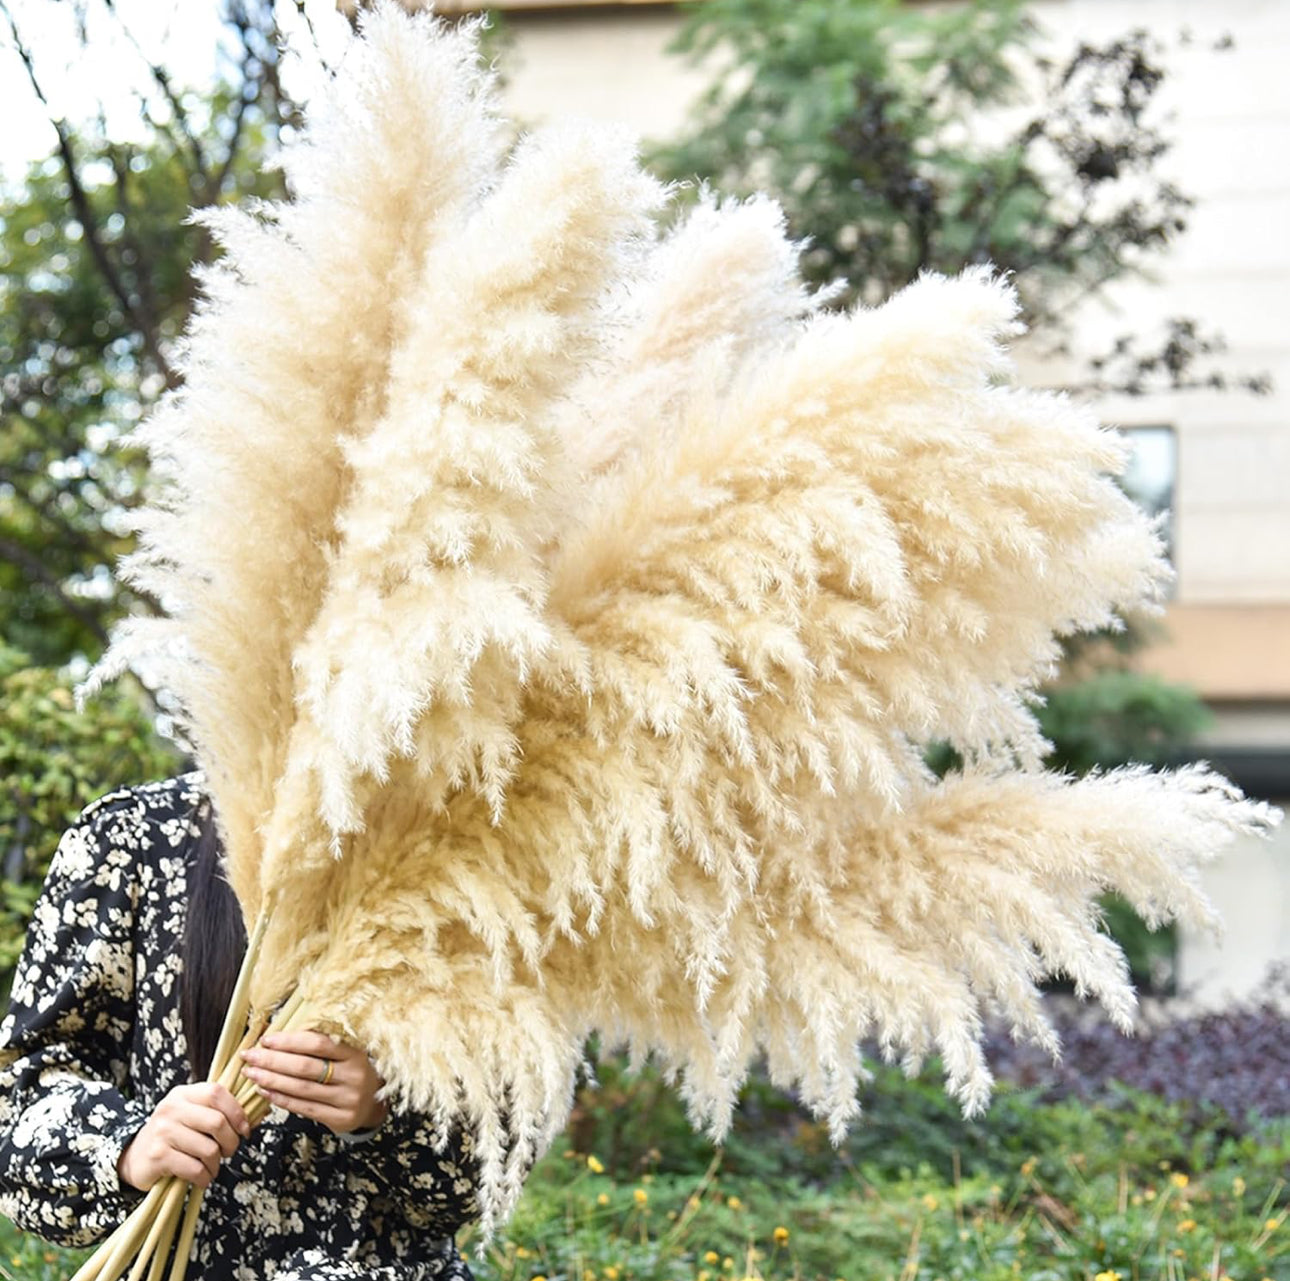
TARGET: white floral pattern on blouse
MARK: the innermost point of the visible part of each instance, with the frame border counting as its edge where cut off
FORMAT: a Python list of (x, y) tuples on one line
[(94, 1040)]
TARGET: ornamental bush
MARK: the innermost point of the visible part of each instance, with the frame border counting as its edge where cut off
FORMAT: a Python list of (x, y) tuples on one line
[(53, 762)]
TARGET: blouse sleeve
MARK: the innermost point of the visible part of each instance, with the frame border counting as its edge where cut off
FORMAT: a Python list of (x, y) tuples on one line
[(434, 1192), (65, 1042)]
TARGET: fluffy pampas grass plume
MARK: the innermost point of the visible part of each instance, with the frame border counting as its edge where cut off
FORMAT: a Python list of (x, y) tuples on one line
[(560, 614)]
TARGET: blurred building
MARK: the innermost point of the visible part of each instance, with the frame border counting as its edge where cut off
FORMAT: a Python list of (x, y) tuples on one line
[(1219, 460)]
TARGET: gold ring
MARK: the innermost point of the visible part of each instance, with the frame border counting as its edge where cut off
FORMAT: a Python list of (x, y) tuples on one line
[(326, 1075)]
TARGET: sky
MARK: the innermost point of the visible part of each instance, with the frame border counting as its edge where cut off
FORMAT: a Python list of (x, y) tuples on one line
[(183, 35)]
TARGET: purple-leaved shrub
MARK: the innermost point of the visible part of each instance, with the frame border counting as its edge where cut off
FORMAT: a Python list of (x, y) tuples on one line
[(1237, 1058)]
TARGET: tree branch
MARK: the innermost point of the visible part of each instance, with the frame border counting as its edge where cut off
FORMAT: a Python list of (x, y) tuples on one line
[(85, 213), (17, 554), (162, 79)]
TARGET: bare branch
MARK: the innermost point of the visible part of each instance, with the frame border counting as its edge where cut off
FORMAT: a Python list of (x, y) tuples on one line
[(162, 78), (85, 213)]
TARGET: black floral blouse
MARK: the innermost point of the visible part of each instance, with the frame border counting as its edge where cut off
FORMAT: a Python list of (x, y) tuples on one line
[(93, 1041)]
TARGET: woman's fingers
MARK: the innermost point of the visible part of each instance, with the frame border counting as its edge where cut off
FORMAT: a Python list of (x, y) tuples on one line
[(336, 1118), (186, 1167), (289, 1068), (303, 1058), (217, 1096), (315, 1044), (299, 1087), (189, 1132), (302, 1067), (197, 1145), (214, 1122)]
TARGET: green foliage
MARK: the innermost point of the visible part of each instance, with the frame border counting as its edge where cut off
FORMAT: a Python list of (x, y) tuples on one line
[(909, 1126), (53, 762), (871, 122), (95, 288), (1064, 1192), (1114, 716)]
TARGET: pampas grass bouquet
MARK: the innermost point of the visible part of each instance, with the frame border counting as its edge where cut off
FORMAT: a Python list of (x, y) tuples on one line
[(560, 612)]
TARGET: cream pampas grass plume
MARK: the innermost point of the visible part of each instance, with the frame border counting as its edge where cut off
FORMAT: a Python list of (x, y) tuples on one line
[(560, 612)]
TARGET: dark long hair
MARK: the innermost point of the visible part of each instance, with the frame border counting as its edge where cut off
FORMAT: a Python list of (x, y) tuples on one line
[(213, 947)]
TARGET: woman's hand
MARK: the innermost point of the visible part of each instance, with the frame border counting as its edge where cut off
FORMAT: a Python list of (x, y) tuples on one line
[(189, 1132), (291, 1070)]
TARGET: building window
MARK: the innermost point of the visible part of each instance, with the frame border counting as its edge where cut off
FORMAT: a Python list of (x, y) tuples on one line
[(1151, 477)]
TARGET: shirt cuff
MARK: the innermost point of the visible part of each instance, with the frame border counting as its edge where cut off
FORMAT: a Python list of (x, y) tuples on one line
[(107, 1152), (360, 1136)]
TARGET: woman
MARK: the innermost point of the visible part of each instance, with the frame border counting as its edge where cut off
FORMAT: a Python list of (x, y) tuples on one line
[(131, 956)]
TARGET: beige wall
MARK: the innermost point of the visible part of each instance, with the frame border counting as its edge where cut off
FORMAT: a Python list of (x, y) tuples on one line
[(1232, 270), (1226, 651), (608, 63), (1250, 886)]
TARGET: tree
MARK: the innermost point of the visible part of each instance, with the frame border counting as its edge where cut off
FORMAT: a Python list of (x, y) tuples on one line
[(901, 138), (53, 762), (95, 288)]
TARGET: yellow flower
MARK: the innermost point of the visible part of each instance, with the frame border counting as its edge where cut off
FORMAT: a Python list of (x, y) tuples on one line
[(1164, 1165), (539, 1277), (603, 1199), (734, 1203), (711, 1257), (727, 1262), (1149, 1194), (703, 1274), (611, 1273), (930, 1202), (781, 1236), (522, 1253), (1272, 1224), (692, 1203), (1107, 1276), (1238, 1186), (1187, 1225), (1179, 1180), (594, 1165), (1028, 1167), (640, 1196), (588, 1275)]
